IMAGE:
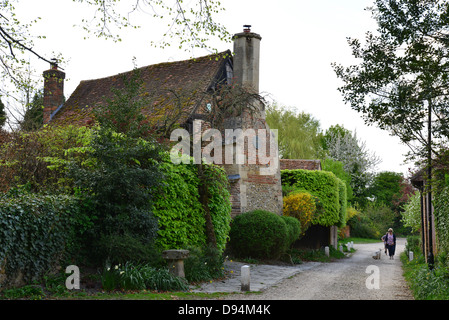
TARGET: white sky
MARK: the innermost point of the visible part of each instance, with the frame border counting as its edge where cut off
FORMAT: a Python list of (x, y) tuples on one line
[(300, 40)]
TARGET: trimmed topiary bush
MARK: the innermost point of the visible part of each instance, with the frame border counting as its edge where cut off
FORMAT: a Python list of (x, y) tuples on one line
[(258, 234)]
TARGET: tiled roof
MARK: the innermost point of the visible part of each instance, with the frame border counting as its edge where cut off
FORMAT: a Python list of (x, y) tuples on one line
[(183, 83), (292, 164)]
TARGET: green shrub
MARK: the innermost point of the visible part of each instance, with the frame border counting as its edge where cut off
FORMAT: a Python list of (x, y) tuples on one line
[(258, 234), (293, 229), (34, 232), (342, 199), (413, 244), (426, 284), (29, 292), (40, 159), (325, 185), (118, 180), (204, 264), (363, 227)]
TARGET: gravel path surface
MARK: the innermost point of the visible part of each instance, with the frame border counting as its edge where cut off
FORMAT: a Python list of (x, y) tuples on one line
[(344, 279)]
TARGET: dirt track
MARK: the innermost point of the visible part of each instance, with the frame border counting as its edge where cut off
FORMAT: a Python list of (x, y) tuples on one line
[(345, 279)]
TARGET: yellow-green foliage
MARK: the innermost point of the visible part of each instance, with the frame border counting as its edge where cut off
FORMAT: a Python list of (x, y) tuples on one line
[(351, 212), (327, 187), (300, 205)]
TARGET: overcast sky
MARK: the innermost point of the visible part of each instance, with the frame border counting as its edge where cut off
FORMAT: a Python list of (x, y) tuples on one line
[(300, 40)]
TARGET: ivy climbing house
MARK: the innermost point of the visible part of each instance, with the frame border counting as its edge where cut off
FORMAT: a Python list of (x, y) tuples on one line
[(220, 91)]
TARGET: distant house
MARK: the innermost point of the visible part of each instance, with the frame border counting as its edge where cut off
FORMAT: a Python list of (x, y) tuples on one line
[(291, 164), (180, 93)]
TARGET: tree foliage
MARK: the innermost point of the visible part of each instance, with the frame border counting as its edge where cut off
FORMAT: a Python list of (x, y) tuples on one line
[(298, 133), (411, 217), (337, 168), (33, 118), (189, 25), (342, 145), (386, 187), (403, 71)]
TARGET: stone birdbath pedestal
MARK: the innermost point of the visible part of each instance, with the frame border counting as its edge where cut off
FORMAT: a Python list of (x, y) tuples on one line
[(175, 259)]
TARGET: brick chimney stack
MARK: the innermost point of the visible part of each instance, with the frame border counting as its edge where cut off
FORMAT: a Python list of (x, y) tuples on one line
[(53, 90), (246, 59)]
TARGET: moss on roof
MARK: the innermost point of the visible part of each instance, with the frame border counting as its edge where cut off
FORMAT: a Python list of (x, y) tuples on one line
[(172, 87)]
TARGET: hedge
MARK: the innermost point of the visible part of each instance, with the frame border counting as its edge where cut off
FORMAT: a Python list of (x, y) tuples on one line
[(35, 231), (342, 198), (326, 186)]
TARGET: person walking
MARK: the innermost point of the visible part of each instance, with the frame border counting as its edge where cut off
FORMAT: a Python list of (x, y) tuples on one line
[(390, 242)]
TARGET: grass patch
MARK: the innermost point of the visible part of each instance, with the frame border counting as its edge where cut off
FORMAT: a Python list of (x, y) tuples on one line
[(424, 283)]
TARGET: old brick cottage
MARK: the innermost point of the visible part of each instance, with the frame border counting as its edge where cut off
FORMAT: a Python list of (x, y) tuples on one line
[(189, 85)]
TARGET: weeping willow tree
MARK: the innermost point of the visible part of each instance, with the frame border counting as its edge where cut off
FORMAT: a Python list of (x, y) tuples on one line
[(299, 134)]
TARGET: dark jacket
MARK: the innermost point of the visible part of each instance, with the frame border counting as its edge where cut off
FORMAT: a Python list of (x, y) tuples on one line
[(394, 239)]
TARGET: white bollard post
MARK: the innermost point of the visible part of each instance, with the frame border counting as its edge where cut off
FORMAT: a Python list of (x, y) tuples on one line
[(341, 248), (410, 255), (326, 251), (245, 278)]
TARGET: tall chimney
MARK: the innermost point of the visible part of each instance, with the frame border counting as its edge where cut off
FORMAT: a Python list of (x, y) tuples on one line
[(53, 90), (246, 59)]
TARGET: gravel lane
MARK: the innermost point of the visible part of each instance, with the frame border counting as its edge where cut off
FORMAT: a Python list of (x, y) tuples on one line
[(344, 279)]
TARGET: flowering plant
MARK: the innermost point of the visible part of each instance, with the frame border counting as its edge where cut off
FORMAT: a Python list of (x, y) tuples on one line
[(302, 206)]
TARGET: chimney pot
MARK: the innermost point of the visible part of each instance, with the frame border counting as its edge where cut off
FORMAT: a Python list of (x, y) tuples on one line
[(247, 28), (54, 64)]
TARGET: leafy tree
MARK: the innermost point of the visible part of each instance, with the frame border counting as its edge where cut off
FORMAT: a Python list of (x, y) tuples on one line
[(385, 187), (120, 176), (33, 118), (337, 168), (401, 81), (299, 134), (342, 145), (192, 24), (122, 113), (411, 217)]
